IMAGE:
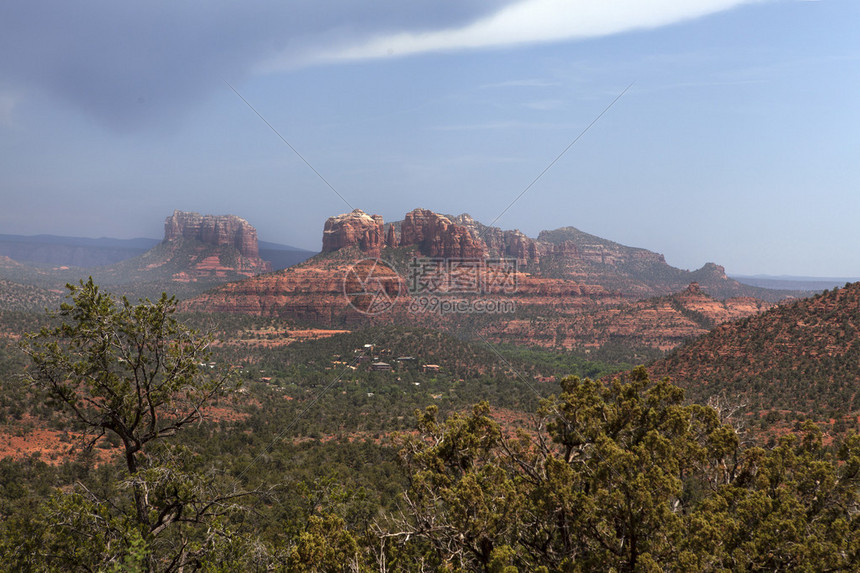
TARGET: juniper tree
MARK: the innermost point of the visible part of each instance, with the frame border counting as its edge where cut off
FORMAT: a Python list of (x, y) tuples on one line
[(625, 476), (134, 372)]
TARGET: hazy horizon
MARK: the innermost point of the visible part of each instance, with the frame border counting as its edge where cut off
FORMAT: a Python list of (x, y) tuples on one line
[(736, 143)]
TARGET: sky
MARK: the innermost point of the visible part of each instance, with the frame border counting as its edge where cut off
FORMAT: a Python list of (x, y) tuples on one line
[(735, 139)]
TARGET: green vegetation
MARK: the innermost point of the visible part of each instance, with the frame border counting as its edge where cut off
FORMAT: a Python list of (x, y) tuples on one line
[(129, 372), (317, 462), (799, 359), (624, 477), (19, 297)]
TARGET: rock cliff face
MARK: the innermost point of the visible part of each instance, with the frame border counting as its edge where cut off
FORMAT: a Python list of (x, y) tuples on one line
[(304, 292), (434, 235), (356, 229), (318, 291), (593, 249), (222, 246), (565, 253), (437, 236), (571, 289), (391, 237), (503, 244), (216, 230), (520, 247)]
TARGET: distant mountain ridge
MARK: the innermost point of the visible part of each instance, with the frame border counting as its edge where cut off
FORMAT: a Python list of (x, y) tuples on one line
[(72, 251), (795, 282), (84, 252), (197, 252)]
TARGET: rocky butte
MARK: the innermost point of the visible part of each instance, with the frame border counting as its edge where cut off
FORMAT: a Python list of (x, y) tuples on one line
[(437, 236), (433, 234), (565, 253), (355, 229), (216, 230), (217, 245), (569, 283)]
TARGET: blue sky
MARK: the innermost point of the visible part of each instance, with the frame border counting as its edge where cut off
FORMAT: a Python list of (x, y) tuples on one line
[(738, 142)]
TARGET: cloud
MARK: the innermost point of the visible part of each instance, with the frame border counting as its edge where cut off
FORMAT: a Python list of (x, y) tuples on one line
[(537, 21), (137, 65)]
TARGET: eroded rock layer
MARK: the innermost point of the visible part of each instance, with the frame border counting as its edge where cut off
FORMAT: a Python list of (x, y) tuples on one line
[(216, 230), (234, 240), (569, 289), (355, 229)]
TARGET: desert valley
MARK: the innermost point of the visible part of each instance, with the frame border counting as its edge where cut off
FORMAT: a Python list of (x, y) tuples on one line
[(391, 396)]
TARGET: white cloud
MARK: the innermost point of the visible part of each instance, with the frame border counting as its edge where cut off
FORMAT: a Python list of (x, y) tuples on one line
[(535, 21)]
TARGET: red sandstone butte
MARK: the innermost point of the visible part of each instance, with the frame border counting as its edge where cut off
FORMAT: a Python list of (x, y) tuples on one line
[(437, 236), (218, 230), (355, 229)]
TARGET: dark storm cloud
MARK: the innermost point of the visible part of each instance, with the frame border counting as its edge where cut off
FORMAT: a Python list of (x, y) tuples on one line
[(134, 64)]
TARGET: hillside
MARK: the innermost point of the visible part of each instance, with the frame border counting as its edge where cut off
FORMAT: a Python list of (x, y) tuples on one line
[(802, 356), (20, 297), (659, 323)]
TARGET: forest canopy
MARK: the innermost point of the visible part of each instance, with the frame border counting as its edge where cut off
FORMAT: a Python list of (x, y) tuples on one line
[(620, 475)]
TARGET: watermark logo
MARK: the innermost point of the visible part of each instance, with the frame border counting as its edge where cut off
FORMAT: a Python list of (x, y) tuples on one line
[(446, 305), (454, 276), (372, 286), (434, 285)]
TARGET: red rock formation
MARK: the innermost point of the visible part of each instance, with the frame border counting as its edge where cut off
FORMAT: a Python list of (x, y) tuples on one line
[(522, 248), (437, 236), (356, 229), (321, 290), (304, 292), (503, 244), (661, 323), (218, 230), (566, 249), (224, 232), (581, 295), (391, 237)]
